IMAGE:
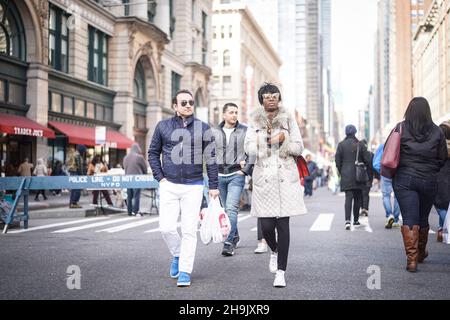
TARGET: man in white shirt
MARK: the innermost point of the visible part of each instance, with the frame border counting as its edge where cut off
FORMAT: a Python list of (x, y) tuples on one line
[(233, 167)]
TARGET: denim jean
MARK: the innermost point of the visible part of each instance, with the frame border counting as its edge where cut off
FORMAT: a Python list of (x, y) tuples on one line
[(230, 189), (133, 200), (309, 186), (442, 213), (386, 190), (75, 194), (415, 197)]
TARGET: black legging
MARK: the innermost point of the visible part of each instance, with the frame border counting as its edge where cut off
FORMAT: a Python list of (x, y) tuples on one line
[(259, 231), (354, 196), (268, 226)]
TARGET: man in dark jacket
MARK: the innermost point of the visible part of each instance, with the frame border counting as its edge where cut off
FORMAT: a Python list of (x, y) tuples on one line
[(233, 167), (345, 163), (309, 180), (185, 144), (366, 188), (134, 163)]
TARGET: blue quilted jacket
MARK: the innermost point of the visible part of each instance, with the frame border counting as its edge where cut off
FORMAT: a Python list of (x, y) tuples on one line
[(184, 147)]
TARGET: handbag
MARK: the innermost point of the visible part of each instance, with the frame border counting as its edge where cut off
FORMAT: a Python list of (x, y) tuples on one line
[(302, 166), (361, 169), (391, 153)]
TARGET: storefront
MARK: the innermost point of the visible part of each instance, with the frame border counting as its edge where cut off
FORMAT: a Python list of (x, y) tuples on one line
[(69, 135), (18, 138)]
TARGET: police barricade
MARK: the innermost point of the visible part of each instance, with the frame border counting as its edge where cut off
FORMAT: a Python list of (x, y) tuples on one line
[(23, 185)]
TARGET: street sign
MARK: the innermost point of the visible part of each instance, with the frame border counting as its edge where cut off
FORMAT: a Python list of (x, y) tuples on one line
[(100, 135)]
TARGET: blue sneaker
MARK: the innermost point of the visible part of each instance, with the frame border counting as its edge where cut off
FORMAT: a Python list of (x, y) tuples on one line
[(184, 279), (174, 272)]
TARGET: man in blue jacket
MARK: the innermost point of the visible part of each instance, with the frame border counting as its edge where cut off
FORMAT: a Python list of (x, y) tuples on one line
[(180, 145)]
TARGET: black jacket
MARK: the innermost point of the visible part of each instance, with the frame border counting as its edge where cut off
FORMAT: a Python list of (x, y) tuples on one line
[(422, 155), (229, 156), (443, 181), (345, 162), (192, 145)]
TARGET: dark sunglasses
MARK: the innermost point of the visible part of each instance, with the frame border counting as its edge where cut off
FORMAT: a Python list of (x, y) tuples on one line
[(184, 103)]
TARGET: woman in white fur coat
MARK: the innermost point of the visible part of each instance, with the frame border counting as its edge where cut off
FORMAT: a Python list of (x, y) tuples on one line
[(273, 137)]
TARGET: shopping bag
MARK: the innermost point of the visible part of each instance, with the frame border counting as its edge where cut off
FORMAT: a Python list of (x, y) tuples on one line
[(445, 228), (215, 225)]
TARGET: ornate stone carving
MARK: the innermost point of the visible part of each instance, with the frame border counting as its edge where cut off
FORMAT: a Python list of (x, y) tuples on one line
[(132, 29)]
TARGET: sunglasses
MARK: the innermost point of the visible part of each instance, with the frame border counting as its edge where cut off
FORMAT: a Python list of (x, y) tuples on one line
[(271, 96), (184, 103)]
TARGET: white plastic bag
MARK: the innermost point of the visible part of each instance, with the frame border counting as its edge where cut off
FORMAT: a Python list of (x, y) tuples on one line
[(446, 228), (215, 224)]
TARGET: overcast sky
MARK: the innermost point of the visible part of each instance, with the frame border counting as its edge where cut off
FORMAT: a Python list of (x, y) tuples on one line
[(354, 24)]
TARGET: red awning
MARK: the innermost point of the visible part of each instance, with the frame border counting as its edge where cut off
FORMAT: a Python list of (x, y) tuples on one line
[(86, 135), (22, 126)]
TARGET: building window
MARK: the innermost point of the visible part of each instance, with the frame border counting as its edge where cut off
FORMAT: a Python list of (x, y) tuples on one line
[(214, 32), (98, 56), (68, 105), (151, 11), (230, 32), (80, 108), (90, 110), (226, 58), (12, 34), (222, 32), (55, 104), (126, 7), (99, 112), (139, 83), (58, 39), (215, 58), (176, 81), (172, 18), (2, 91), (226, 86)]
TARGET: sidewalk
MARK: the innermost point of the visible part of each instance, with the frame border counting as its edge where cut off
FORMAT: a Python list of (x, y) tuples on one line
[(58, 206)]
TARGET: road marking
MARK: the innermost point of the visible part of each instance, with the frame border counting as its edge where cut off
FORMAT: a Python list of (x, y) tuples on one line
[(129, 225), (93, 225), (59, 224), (157, 229), (179, 224), (323, 222)]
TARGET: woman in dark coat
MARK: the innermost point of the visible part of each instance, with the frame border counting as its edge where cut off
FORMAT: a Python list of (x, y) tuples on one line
[(345, 163), (423, 152), (442, 200)]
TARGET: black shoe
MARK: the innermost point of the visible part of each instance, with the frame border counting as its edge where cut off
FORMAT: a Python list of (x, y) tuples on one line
[(228, 249), (347, 225), (356, 223)]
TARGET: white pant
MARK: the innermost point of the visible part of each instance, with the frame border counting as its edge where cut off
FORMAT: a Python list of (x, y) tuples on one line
[(187, 199)]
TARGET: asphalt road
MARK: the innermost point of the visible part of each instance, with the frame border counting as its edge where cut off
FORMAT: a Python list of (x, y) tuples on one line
[(119, 260)]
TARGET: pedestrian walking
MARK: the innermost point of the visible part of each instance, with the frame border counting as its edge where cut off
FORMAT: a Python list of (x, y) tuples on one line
[(274, 139), (348, 152), (368, 186), (441, 203), (134, 163), (185, 144), (392, 211), (76, 167), (423, 152), (56, 172), (40, 171), (313, 172), (96, 166), (24, 169), (233, 168)]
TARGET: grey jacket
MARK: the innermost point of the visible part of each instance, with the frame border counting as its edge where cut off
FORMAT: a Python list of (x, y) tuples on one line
[(134, 162), (228, 157)]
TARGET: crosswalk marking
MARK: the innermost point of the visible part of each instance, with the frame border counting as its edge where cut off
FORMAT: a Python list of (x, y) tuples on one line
[(92, 225), (129, 225), (59, 224), (323, 222)]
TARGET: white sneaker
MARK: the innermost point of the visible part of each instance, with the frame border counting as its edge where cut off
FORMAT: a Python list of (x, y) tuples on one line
[(273, 263), (279, 281), (262, 248), (139, 215)]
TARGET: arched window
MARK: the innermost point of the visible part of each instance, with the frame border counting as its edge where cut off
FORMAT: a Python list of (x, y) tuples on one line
[(12, 34), (226, 58), (139, 83)]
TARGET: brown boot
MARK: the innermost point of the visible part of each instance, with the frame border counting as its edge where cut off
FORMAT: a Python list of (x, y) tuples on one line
[(411, 242), (440, 237), (423, 239)]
